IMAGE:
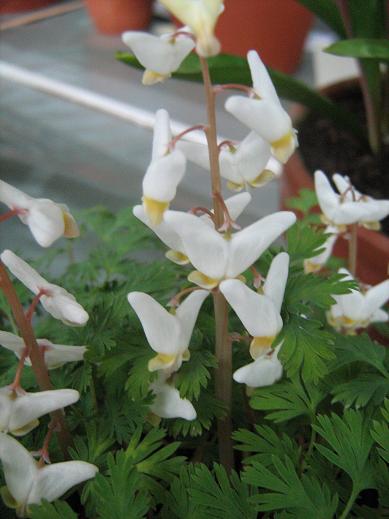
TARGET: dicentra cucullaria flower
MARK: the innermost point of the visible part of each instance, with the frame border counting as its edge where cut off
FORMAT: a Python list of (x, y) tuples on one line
[(160, 56), (201, 17), (28, 482), (46, 219), (168, 335), (55, 355), (165, 172), (261, 316), (168, 402), (19, 411), (242, 165), (348, 206), (56, 300), (317, 262), (176, 253), (264, 113), (219, 256), (359, 309)]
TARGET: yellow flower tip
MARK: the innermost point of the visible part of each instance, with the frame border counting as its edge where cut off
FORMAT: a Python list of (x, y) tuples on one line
[(186, 355), (161, 361), (260, 345), (8, 498), (202, 280), (283, 148), (234, 186), (263, 178), (153, 419), (310, 267), (372, 226), (151, 78), (154, 209), (177, 257), (71, 229), (26, 428)]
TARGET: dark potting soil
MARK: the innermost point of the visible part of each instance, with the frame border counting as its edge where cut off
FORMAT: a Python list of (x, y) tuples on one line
[(334, 150)]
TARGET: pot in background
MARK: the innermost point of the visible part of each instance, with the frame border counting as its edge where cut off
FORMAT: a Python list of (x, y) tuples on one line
[(14, 6), (117, 16)]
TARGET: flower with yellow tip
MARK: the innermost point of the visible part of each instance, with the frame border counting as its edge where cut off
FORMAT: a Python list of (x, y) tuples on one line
[(165, 172), (46, 219), (201, 17), (316, 263), (264, 113), (160, 55), (168, 335), (168, 402)]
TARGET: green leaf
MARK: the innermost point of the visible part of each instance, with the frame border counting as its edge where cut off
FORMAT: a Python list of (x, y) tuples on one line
[(219, 495), (366, 388), (304, 241), (194, 375), (287, 400), (306, 348), (226, 68), (57, 510), (328, 12), (177, 502), (266, 443), (360, 348), (305, 497), (304, 202), (349, 445), (365, 48), (380, 433)]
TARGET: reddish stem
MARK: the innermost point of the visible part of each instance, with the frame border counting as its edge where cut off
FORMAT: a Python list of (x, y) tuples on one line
[(9, 214), (18, 375), (197, 127), (34, 304), (234, 86), (226, 143), (175, 300), (202, 210), (228, 222)]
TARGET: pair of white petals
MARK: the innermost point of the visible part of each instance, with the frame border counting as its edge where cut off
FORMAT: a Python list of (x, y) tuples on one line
[(264, 113), (29, 483), (247, 164), (46, 219), (176, 253), (54, 355), (359, 309), (348, 206), (55, 300), (19, 411), (261, 316)]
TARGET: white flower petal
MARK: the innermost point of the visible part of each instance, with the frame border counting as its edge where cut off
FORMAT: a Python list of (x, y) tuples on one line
[(162, 134), (258, 313), (377, 296), (262, 83), (164, 232), (246, 246), (379, 316), (276, 279), (12, 342), (195, 152), (163, 176), (13, 197), (23, 272), (56, 355), (63, 306), (46, 221), (161, 328), (169, 404), (315, 263), (264, 371), (187, 314), (237, 204)]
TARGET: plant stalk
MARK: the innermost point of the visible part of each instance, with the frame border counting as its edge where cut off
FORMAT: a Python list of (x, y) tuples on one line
[(349, 504), (223, 349), (37, 360), (353, 249)]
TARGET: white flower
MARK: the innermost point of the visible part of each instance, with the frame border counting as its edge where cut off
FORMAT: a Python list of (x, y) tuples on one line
[(19, 411), (28, 482), (55, 355), (56, 300), (167, 334), (316, 263), (260, 315), (168, 403), (349, 206), (359, 308), (165, 172), (247, 164), (217, 256), (161, 56), (264, 113), (47, 220), (176, 253), (201, 17)]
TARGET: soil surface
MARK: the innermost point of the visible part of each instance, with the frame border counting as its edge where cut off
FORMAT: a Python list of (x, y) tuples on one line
[(334, 150)]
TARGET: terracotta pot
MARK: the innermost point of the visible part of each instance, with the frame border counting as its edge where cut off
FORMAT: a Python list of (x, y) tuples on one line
[(373, 247), (117, 16), (13, 6)]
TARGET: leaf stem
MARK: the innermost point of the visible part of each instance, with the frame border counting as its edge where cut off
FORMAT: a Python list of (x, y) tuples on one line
[(349, 503)]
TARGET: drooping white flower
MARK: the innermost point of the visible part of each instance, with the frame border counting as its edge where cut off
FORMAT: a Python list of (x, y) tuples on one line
[(168, 335), (46, 219), (56, 300), (359, 309), (317, 262), (168, 402), (217, 256), (247, 164), (19, 411), (201, 17), (161, 56), (165, 172), (264, 113), (28, 482), (55, 355), (264, 371), (348, 206), (176, 253)]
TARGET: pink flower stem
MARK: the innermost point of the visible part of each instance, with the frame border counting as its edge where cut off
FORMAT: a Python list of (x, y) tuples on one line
[(178, 137), (234, 86), (34, 304), (9, 214)]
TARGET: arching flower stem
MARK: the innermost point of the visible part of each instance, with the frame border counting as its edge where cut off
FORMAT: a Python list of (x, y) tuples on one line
[(9, 214), (175, 300), (34, 304), (223, 350), (202, 210), (228, 223), (178, 137), (234, 86), (37, 360)]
